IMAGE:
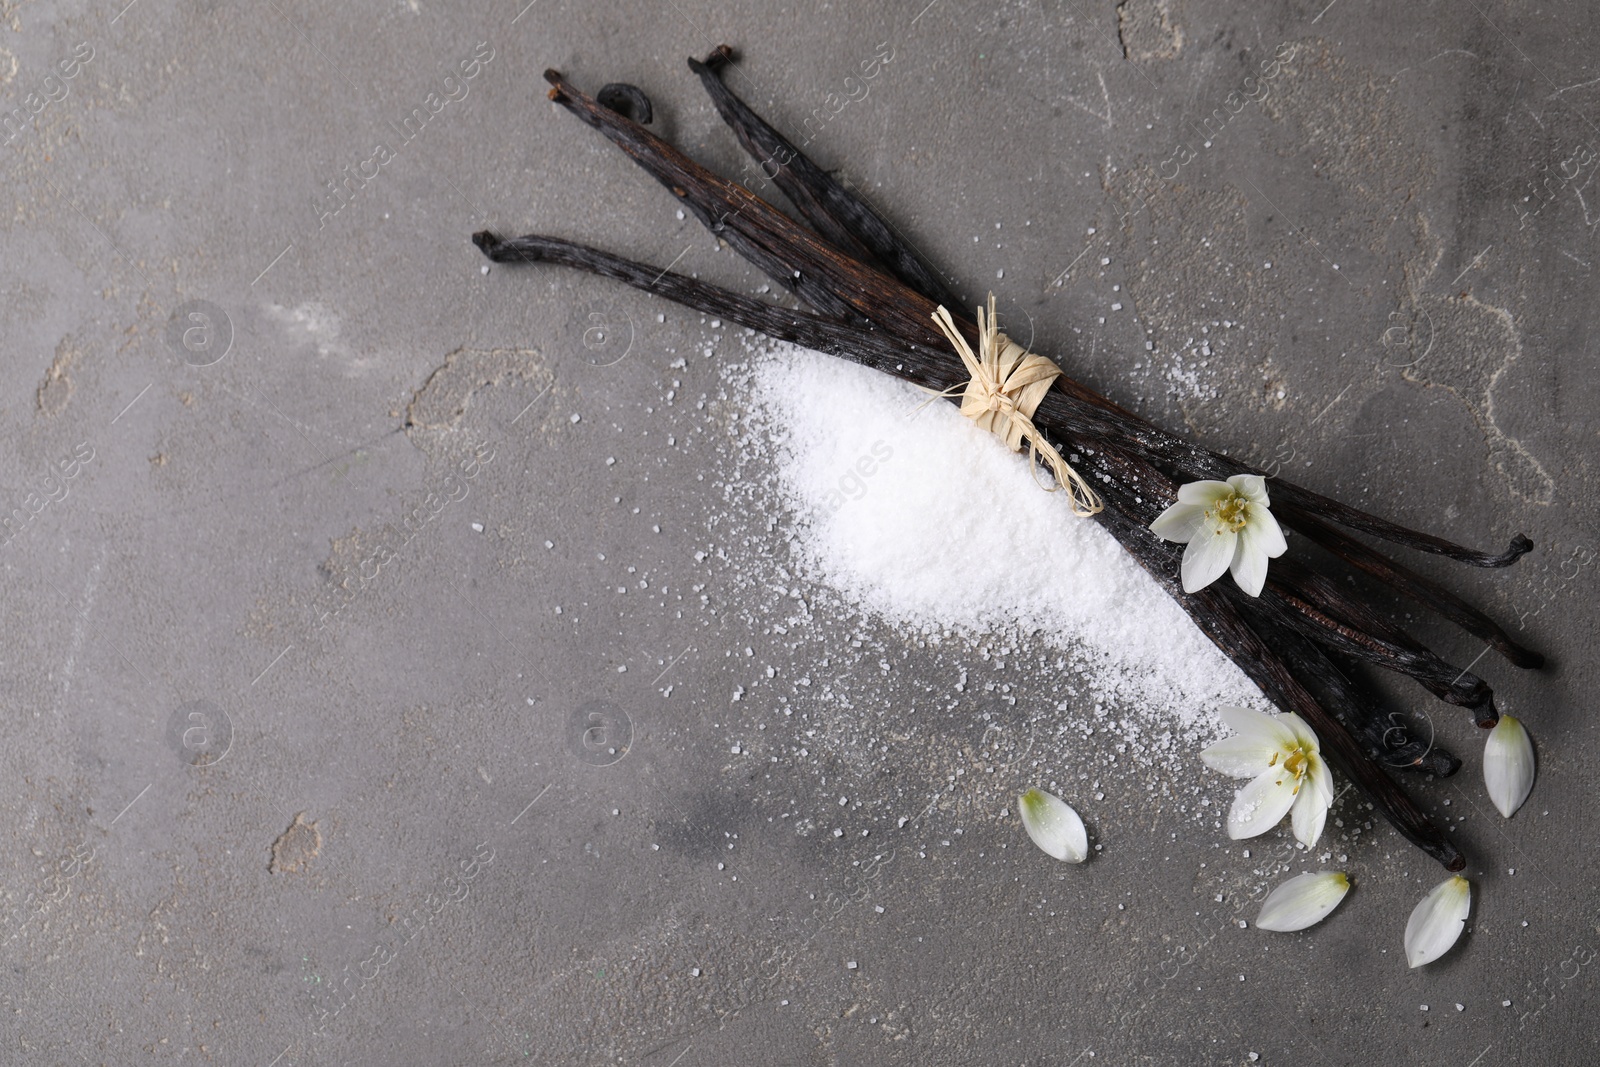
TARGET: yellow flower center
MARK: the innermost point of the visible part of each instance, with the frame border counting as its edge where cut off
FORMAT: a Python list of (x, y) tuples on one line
[(1232, 512), (1297, 763)]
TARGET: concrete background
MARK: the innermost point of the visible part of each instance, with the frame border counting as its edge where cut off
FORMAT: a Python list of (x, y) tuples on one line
[(302, 766)]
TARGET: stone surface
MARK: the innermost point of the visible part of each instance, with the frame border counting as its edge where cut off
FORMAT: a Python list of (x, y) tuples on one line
[(317, 525)]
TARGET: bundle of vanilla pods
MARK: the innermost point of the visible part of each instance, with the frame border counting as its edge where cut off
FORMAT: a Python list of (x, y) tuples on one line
[(872, 301)]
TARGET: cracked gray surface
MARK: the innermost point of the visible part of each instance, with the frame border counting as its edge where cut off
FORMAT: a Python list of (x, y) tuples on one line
[(371, 642)]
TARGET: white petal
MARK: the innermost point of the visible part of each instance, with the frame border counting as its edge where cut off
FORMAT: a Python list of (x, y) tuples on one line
[(1323, 780), (1309, 813), (1508, 765), (1249, 565), (1256, 739), (1437, 922), (1262, 532), (1207, 557), (1053, 825), (1302, 901), (1239, 756), (1252, 487), (1303, 734), (1278, 730), (1178, 523), (1262, 804), (1203, 493)]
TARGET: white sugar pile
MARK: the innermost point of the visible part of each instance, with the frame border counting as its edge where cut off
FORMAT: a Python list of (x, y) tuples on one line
[(920, 518)]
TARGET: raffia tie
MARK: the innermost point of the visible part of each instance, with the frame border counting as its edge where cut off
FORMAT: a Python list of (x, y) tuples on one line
[(1007, 384)]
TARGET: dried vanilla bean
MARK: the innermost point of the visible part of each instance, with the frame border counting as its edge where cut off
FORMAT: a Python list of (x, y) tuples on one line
[(629, 100), (1216, 617), (1424, 591), (789, 254), (873, 300), (833, 211), (754, 228), (1210, 609), (863, 344), (1387, 739), (1321, 610), (1310, 603), (830, 207), (1357, 713)]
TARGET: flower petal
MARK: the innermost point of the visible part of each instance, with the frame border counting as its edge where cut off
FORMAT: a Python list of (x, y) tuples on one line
[(1508, 765), (1178, 523), (1252, 487), (1262, 804), (1239, 756), (1262, 532), (1302, 901), (1249, 565), (1256, 739), (1322, 779), (1309, 813), (1203, 493), (1053, 825), (1303, 734), (1437, 922), (1209, 553), (1278, 730)]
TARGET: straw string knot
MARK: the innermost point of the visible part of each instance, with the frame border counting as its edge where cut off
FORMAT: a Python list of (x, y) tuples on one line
[(1007, 384)]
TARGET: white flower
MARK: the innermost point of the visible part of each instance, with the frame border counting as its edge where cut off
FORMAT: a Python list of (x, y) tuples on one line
[(1508, 765), (1302, 901), (1053, 825), (1437, 922), (1227, 526), (1281, 757)]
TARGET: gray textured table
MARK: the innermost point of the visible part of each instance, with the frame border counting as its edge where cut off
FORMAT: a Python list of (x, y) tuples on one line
[(303, 766)]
